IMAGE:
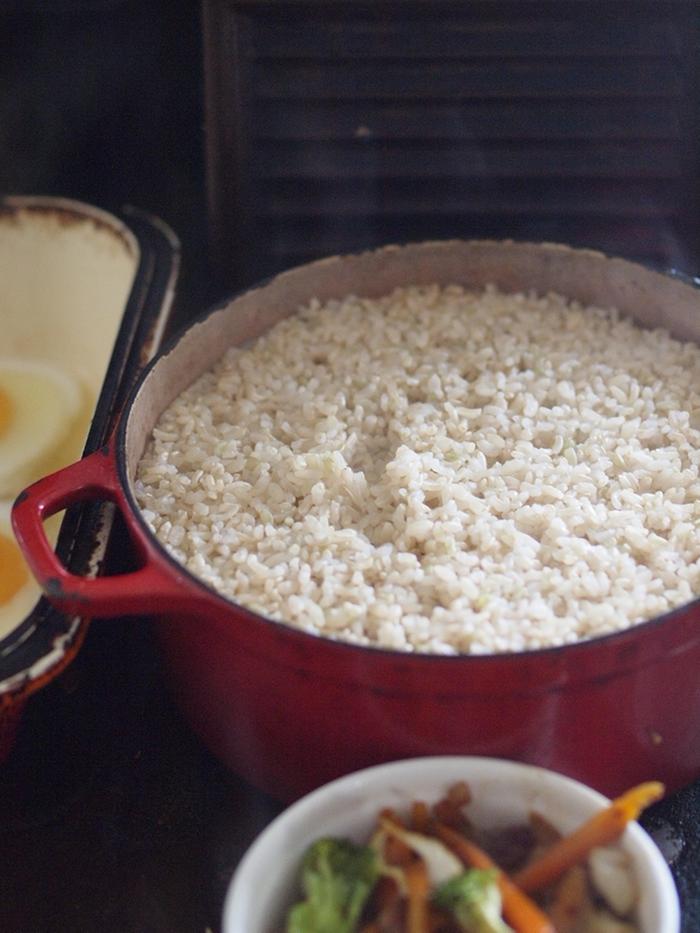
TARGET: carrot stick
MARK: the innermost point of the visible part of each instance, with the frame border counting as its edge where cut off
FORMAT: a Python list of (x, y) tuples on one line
[(396, 852), (518, 909), (459, 795), (420, 816), (418, 891), (450, 809), (604, 827)]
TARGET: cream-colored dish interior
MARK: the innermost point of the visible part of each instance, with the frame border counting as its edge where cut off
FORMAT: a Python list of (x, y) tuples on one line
[(65, 276)]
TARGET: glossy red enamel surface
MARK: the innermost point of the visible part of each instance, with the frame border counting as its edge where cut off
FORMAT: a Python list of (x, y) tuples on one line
[(289, 712)]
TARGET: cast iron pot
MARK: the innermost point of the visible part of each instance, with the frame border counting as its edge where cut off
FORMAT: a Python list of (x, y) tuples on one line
[(289, 711)]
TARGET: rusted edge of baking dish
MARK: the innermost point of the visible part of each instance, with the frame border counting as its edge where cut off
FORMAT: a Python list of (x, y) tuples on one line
[(43, 644)]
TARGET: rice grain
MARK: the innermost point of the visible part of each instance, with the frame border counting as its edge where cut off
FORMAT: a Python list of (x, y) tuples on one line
[(439, 470)]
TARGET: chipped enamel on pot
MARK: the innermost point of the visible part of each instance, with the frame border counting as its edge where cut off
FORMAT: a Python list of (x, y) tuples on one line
[(289, 711)]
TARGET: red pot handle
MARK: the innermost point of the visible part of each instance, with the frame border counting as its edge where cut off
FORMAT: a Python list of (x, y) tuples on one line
[(154, 587)]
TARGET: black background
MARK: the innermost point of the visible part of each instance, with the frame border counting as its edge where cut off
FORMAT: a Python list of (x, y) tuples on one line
[(103, 101)]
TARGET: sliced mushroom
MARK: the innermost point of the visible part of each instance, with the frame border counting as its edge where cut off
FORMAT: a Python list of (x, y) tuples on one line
[(612, 878)]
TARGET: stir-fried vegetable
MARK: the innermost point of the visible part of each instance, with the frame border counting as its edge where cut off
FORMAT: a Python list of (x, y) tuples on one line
[(604, 827), (440, 862), (337, 877), (473, 898), (518, 909), (432, 873)]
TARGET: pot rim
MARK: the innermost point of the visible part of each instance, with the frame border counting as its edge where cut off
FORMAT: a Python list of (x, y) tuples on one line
[(618, 638)]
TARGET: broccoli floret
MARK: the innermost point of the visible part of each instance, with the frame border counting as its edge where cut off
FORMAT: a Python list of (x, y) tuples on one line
[(474, 901), (337, 877)]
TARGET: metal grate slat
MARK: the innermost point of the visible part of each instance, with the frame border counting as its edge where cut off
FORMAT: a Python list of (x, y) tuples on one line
[(348, 125)]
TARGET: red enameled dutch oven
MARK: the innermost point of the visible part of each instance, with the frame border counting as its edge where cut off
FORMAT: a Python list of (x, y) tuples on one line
[(289, 711)]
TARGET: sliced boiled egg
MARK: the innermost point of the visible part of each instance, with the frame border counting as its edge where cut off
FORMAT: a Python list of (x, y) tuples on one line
[(18, 590), (40, 405)]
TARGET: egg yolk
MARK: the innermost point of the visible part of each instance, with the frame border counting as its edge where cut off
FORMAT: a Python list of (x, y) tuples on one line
[(13, 572), (5, 410)]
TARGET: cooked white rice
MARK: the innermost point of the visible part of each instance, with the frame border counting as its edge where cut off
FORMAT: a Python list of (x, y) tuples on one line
[(439, 470)]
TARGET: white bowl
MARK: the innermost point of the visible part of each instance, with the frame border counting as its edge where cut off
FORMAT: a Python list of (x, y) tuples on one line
[(503, 792)]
